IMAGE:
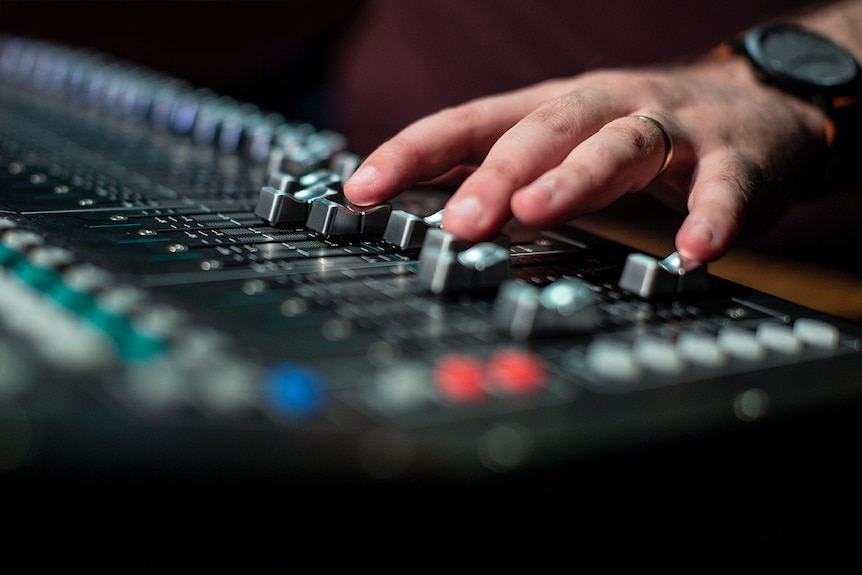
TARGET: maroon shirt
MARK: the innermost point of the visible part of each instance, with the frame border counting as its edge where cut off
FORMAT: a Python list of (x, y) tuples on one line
[(403, 59)]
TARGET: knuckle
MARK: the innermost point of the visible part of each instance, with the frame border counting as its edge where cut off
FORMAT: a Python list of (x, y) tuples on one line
[(467, 114), (743, 174), (643, 141), (506, 172), (561, 115)]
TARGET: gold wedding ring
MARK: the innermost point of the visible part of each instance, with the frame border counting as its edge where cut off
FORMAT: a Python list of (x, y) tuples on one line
[(668, 142)]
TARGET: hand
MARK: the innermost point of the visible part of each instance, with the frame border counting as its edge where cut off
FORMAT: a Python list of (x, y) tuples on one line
[(562, 148)]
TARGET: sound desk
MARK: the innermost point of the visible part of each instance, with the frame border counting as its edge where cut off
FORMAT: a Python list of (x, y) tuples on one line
[(185, 290)]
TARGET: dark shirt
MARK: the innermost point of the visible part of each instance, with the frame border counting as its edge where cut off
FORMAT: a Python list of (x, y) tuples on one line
[(402, 59)]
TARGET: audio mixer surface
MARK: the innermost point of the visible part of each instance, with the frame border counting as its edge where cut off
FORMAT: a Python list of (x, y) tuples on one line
[(184, 290)]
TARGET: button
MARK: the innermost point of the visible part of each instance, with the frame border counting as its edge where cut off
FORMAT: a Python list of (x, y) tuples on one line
[(659, 355), (226, 385), (701, 349), (515, 371), (648, 277), (21, 240), (612, 360), (344, 164), (293, 389), (276, 206), (817, 333), (405, 385), (460, 378), (43, 265), (405, 230), (449, 266), (779, 337), (283, 181), (566, 306), (331, 218), (741, 343)]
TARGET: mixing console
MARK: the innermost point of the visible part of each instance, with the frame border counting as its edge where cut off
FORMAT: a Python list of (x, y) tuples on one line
[(184, 288)]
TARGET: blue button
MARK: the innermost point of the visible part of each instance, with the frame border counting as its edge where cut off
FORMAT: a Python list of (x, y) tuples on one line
[(293, 389)]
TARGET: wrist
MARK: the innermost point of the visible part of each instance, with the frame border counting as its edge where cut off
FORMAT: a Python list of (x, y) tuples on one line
[(815, 73)]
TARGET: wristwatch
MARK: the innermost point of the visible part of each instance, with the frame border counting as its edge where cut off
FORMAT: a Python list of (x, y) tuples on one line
[(813, 67)]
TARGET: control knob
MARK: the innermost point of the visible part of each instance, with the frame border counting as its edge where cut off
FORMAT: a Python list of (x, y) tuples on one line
[(332, 218), (448, 265), (278, 206), (567, 306), (649, 277)]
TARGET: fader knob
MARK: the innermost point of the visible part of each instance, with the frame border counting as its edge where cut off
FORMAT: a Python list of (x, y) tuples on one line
[(407, 231), (649, 277), (283, 181), (276, 206), (331, 218), (448, 265), (566, 306)]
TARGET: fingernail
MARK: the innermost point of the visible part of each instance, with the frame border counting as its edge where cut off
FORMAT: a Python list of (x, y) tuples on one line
[(541, 191), (699, 241), (703, 231), (363, 177)]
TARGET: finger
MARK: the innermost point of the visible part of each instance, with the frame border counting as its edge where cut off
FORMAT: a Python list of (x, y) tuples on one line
[(453, 178), (717, 206), (624, 156), (536, 144), (436, 144)]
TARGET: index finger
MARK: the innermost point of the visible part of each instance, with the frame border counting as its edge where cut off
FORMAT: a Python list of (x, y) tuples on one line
[(535, 145), (437, 143)]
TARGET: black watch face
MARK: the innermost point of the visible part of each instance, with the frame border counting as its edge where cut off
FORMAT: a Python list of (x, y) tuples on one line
[(795, 55)]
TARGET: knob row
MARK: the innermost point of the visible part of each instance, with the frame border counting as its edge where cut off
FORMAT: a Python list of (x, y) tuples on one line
[(89, 80), (315, 200)]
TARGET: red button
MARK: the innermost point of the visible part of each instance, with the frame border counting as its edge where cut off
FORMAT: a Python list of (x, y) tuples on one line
[(460, 378), (517, 371)]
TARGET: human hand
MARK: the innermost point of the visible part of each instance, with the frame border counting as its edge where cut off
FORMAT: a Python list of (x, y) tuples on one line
[(554, 151)]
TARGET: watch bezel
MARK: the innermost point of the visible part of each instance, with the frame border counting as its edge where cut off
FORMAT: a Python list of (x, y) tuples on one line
[(753, 45)]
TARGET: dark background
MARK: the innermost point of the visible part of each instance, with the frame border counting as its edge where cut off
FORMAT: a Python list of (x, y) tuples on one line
[(273, 53)]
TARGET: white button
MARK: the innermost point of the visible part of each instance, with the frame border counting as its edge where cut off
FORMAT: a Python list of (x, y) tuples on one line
[(659, 355), (779, 337), (50, 257), (741, 343), (613, 360), (20, 240), (402, 386), (701, 348), (816, 332)]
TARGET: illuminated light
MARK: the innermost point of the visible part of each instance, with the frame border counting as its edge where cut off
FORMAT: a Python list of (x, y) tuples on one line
[(460, 378), (517, 371), (293, 389)]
